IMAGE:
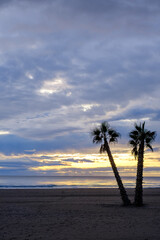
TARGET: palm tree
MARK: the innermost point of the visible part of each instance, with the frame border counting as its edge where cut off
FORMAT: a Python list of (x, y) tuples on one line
[(105, 135), (141, 138)]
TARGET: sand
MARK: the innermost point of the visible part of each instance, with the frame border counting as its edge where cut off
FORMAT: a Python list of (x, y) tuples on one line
[(77, 214)]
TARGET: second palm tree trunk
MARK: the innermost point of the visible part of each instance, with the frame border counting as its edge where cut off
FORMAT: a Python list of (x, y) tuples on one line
[(139, 181)]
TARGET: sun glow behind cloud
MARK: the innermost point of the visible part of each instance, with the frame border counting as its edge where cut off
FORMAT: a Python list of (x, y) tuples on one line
[(4, 132), (77, 164), (65, 73), (54, 86), (87, 107)]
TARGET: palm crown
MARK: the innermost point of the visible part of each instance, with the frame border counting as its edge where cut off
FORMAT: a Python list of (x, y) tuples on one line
[(140, 134), (104, 133)]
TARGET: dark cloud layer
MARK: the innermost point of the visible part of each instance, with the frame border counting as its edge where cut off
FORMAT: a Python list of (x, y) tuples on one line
[(66, 67)]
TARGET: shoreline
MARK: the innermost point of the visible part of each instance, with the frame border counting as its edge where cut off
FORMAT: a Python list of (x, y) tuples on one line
[(83, 189), (76, 214), (63, 188), (72, 182)]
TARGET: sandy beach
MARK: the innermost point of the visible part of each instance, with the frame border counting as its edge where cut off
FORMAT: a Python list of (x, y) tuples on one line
[(77, 214)]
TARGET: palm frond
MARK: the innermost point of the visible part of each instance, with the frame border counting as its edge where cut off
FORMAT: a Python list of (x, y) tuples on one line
[(133, 143), (151, 135), (138, 128), (104, 127), (134, 134), (149, 146), (113, 135), (143, 124), (113, 140), (97, 139), (95, 131), (149, 138), (102, 148), (135, 151), (96, 134)]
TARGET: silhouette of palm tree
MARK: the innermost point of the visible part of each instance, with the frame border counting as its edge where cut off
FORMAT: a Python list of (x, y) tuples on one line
[(105, 135), (141, 138)]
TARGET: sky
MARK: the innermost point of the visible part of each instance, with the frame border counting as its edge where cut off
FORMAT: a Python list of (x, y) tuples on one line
[(66, 66)]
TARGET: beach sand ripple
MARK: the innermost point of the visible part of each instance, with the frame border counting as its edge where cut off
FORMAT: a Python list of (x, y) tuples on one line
[(66, 214)]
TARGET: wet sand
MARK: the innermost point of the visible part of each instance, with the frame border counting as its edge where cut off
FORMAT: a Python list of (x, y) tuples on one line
[(77, 214)]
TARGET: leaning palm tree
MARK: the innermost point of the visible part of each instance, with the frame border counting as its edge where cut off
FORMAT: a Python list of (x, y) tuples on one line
[(141, 138), (105, 135)]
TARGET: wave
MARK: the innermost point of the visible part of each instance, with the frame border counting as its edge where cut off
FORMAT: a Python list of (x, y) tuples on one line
[(29, 186), (51, 186), (45, 182)]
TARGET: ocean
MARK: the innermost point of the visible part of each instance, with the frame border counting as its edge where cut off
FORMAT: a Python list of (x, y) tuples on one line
[(32, 182)]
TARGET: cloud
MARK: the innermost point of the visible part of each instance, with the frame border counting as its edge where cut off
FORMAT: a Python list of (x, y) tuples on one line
[(65, 68), (78, 160), (4, 132), (72, 163)]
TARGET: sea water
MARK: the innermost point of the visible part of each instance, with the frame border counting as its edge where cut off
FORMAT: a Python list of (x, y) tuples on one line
[(72, 182)]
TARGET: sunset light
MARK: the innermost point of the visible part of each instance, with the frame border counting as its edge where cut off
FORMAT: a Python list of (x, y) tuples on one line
[(80, 119)]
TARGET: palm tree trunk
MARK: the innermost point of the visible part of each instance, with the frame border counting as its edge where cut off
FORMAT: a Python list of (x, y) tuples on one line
[(123, 192), (139, 181)]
